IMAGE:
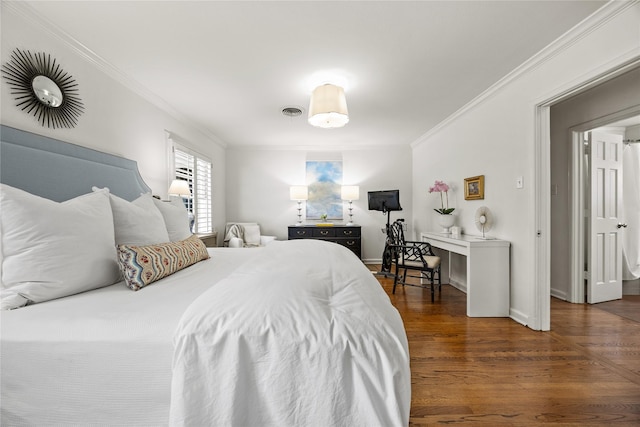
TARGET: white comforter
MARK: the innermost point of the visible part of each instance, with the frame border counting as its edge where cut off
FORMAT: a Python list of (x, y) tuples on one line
[(271, 345), (101, 357), (258, 342)]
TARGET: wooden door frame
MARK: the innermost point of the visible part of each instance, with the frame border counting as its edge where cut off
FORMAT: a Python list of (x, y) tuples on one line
[(577, 219)]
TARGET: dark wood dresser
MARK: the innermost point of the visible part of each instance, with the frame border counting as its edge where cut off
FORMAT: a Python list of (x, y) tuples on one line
[(345, 235)]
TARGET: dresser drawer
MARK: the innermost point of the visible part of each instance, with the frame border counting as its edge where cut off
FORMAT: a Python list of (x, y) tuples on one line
[(350, 243), (348, 232), (299, 233), (353, 244), (322, 233)]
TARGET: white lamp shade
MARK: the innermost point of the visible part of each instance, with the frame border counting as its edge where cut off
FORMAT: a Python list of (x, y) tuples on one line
[(328, 107), (179, 187), (299, 192), (350, 192)]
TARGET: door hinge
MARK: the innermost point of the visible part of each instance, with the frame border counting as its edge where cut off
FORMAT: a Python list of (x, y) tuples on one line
[(586, 275)]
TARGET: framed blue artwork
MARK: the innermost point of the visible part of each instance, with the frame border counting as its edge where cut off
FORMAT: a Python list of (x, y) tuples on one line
[(324, 179)]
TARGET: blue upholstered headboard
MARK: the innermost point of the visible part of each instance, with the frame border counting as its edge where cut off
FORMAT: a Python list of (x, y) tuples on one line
[(61, 171)]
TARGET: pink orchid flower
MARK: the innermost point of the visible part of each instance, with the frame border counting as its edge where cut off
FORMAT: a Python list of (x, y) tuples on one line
[(442, 187)]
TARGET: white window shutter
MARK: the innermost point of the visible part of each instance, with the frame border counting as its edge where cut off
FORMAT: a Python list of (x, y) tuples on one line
[(196, 170)]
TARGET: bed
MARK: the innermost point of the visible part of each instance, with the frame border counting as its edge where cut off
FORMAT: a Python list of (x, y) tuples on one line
[(294, 333)]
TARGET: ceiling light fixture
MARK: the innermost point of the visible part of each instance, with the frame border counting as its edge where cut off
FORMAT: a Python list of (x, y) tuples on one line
[(328, 107)]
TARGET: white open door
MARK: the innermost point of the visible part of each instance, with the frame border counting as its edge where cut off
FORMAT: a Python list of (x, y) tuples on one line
[(604, 281)]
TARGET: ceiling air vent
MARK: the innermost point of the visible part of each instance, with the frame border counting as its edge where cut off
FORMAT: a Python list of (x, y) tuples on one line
[(291, 111)]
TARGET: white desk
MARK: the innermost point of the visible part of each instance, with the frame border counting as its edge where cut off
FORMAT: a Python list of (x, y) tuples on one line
[(487, 284)]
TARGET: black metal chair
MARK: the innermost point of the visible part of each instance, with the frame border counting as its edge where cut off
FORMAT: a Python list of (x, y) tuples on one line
[(417, 257)]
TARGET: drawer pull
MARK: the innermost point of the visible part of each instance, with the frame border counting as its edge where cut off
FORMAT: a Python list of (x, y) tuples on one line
[(348, 232), (350, 242), (324, 232), (301, 232)]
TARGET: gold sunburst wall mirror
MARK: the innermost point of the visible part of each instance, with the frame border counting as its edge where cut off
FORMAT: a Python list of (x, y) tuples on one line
[(42, 88)]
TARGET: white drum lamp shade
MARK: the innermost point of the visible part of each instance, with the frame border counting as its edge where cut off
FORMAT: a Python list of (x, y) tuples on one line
[(179, 187), (299, 192), (350, 192), (328, 107)]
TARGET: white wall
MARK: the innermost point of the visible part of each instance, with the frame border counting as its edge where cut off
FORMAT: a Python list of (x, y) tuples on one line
[(495, 136), (613, 96), (258, 182), (116, 119)]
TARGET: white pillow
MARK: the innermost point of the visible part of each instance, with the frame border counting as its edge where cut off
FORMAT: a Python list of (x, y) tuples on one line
[(51, 250), (138, 223), (251, 234), (176, 219)]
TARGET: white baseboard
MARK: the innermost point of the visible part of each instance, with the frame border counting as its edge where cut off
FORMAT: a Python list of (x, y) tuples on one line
[(519, 317), (631, 287), (559, 294)]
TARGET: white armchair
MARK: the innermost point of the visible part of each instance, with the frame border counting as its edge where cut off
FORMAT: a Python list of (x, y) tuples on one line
[(245, 235)]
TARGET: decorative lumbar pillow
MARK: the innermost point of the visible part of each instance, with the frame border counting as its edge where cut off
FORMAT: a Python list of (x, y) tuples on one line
[(176, 219), (138, 222), (142, 265), (51, 250)]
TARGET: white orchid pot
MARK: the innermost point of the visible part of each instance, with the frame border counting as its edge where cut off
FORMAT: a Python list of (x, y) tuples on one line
[(446, 222)]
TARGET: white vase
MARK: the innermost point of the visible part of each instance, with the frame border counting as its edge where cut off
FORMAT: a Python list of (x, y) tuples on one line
[(446, 222)]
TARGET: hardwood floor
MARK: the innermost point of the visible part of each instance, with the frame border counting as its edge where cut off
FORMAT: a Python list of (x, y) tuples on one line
[(496, 372)]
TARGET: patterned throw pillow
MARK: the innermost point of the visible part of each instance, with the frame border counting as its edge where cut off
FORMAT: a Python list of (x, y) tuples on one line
[(142, 265)]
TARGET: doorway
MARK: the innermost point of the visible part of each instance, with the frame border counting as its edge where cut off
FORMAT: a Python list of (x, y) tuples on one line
[(595, 98), (605, 261)]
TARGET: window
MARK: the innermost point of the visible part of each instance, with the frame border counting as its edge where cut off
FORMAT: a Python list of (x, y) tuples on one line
[(196, 170)]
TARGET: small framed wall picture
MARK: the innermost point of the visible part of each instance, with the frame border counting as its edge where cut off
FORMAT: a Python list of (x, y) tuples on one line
[(474, 188)]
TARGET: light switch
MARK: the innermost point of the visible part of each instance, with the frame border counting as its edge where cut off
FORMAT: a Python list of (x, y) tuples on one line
[(520, 182)]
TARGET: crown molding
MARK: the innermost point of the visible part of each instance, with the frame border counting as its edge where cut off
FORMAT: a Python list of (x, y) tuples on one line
[(30, 15), (562, 43), (314, 148)]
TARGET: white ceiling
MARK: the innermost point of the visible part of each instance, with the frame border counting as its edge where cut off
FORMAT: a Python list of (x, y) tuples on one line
[(231, 66)]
